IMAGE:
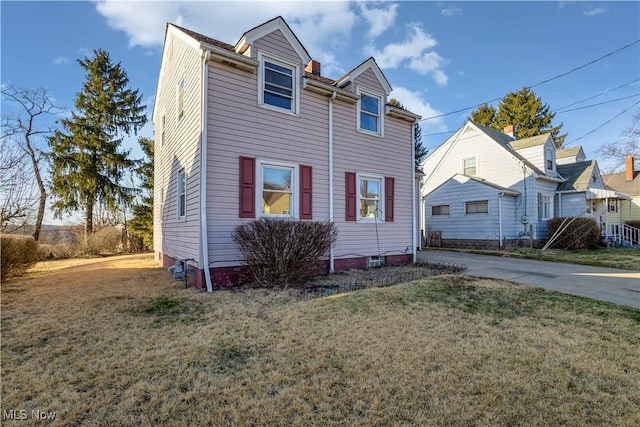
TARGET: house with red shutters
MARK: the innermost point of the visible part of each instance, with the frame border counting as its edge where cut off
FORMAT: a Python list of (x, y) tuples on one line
[(253, 129)]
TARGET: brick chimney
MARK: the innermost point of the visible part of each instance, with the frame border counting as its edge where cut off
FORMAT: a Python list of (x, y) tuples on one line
[(510, 130), (628, 176), (313, 67)]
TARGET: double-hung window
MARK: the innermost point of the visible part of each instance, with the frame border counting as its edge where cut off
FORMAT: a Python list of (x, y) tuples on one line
[(182, 193), (549, 158), (370, 192), (469, 166), (612, 206), (278, 197), (278, 84), (370, 113), (545, 206)]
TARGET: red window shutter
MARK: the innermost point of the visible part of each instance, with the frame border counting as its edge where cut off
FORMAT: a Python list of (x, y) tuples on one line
[(351, 196), (306, 199), (388, 198), (247, 187)]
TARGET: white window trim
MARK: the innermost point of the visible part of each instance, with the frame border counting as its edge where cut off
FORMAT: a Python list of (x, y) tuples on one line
[(381, 103), (295, 81), (476, 201), (552, 160), (469, 158), (295, 188), (381, 202), (550, 197), (184, 173)]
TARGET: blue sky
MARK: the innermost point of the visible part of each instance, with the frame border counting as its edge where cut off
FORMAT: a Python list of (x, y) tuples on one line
[(439, 57)]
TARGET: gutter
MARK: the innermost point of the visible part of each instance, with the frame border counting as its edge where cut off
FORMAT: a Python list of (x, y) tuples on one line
[(206, 55), (221, 55), (331, 249), (326, 89)]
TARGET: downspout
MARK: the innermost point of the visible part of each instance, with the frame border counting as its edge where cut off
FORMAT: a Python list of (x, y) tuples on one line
[(500, 195), (203, 172), (331, 249), (560, 205), (414, 243)]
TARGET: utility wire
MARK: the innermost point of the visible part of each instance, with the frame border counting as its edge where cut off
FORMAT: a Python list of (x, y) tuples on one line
[(605, 123), (599, 103), (539, 83), (597, 95)]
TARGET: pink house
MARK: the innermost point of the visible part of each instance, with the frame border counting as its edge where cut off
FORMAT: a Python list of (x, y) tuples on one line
[(254, 130)]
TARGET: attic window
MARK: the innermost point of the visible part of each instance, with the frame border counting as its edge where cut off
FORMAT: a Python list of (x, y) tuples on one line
[(181, 87), (370, 113), (549, 158), (278, 84), (469, 166)]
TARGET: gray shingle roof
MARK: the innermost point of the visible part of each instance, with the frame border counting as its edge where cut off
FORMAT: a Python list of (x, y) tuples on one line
[(568, 152), (577, 175)]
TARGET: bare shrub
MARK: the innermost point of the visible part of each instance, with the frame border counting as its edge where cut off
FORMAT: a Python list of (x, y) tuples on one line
[(280, 252), (581, 233), (47, 251), (107, 240), (18, 253)]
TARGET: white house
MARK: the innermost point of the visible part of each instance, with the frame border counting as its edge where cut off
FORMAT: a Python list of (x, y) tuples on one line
[(484, 188)]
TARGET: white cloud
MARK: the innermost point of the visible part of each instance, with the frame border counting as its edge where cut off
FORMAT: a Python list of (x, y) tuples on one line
[(415, 53), (413, 102), (594, 11), (379, 19), (321, 26), (447, 9), (59, 60)]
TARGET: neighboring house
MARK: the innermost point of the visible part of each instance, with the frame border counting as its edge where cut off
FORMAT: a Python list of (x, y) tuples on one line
[(484, 188), (626, 182), (254, 130), (570, 155)]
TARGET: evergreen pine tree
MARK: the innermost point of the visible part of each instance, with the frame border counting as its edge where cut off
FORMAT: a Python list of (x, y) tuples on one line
[(420, 152), (523, 109), (142, 222), (88, 164)]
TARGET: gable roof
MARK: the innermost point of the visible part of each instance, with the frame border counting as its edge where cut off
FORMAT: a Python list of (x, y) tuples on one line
[(532, 141), (577, 175), (506, 141), (275, 24), (204, 39), (617, 182), (366, 65)]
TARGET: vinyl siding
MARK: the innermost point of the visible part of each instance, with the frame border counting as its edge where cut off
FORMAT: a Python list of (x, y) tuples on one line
[(368, 81), (236, 127), (177, 238), (459, 225), (388, 156), (276, 44)]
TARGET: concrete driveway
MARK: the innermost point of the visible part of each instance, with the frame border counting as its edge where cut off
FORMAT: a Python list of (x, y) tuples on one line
[(604, 284)]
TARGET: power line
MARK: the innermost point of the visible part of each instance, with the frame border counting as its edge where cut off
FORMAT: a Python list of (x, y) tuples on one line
[(605, 123), (539, 83), (599, 103), (598, 94)]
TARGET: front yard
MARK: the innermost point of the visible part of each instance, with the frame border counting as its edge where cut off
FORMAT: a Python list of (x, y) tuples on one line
[(117, 342)]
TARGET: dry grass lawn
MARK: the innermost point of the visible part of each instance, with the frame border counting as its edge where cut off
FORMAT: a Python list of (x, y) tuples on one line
[(117, 342)]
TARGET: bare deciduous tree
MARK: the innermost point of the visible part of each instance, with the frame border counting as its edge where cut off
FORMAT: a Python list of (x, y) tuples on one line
[(629, 145), (18, 198), (21, 128)]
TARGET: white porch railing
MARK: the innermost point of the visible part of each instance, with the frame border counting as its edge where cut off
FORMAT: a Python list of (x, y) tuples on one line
[(623, 234)]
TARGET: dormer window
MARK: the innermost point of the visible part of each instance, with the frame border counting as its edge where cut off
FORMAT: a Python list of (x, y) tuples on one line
[(278, 84), (549, 158), (370, 113)]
